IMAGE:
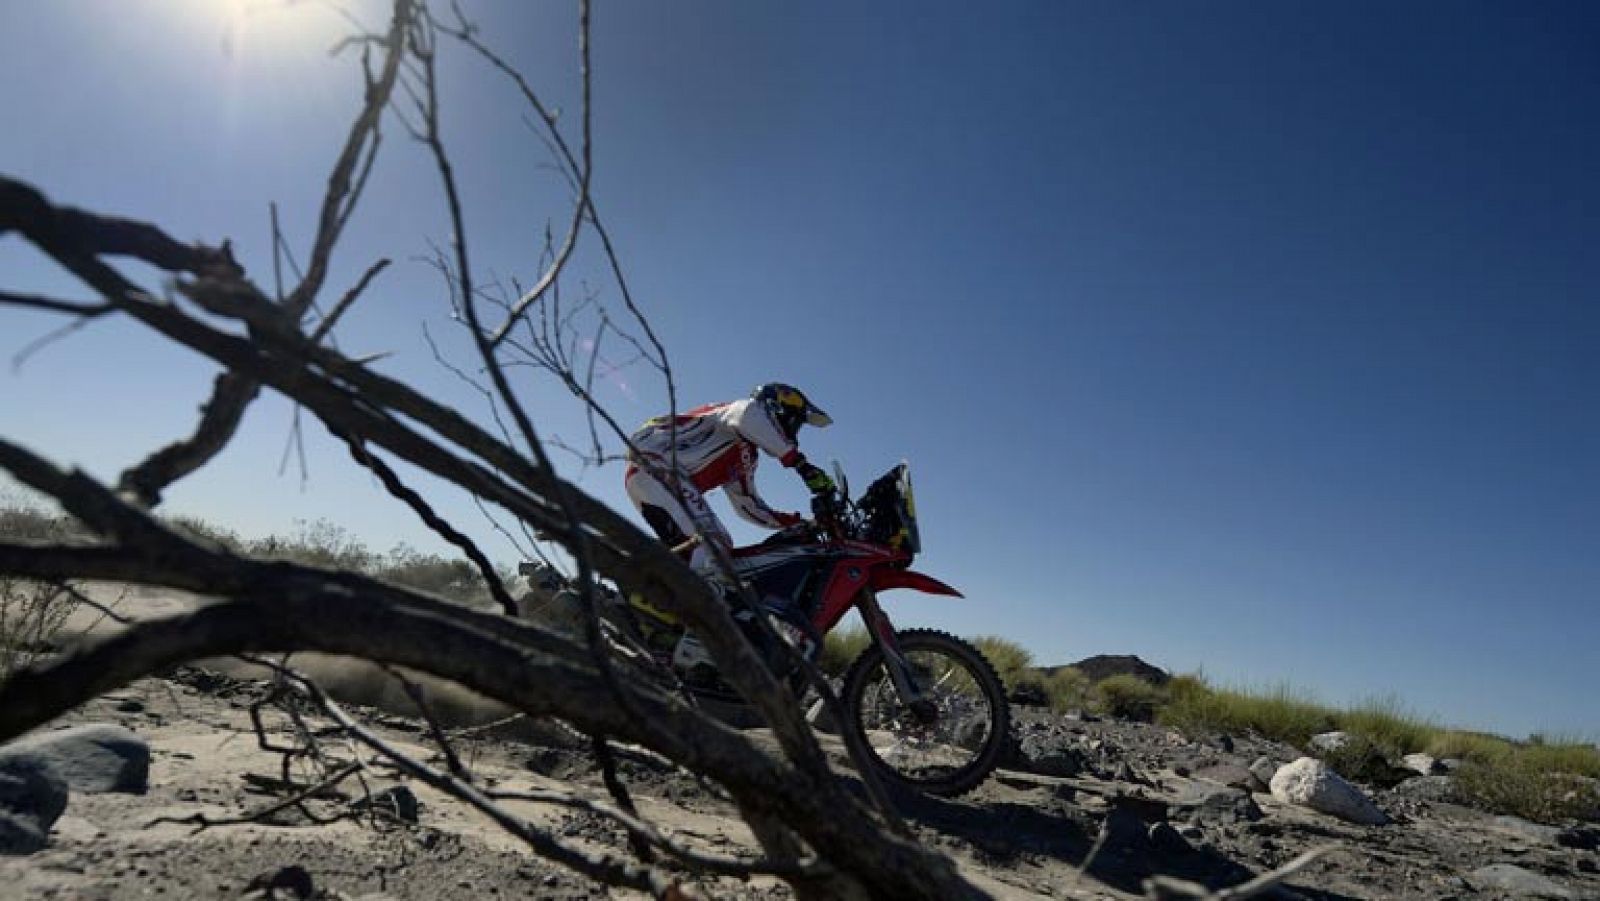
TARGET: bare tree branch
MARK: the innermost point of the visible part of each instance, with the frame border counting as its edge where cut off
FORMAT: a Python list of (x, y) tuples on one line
[(1168, 887), (231, 395), (281, 607), (350, 297), (55, 305), (794, 803)]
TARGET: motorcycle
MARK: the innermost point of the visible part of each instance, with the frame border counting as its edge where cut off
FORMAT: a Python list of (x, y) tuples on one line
[(928, 705)]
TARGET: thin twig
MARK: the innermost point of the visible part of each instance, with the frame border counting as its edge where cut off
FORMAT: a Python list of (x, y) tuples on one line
[(1167, 886), (350, 297), (201, 822)]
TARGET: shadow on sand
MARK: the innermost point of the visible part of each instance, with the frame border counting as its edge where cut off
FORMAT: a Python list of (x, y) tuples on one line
[(1007, 831)]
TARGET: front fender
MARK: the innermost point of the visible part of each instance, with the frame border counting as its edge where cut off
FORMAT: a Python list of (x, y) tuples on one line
[(885, 579)]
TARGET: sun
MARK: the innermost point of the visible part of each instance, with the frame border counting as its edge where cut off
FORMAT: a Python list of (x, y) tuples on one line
[(274, 27)]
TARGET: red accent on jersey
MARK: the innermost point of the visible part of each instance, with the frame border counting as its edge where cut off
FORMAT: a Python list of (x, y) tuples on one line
[(725, 467)]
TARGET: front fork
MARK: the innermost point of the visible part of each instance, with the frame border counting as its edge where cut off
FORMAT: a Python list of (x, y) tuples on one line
[(900, 671)]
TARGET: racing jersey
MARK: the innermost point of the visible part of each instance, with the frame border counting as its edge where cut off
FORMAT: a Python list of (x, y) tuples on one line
[(717, 447)]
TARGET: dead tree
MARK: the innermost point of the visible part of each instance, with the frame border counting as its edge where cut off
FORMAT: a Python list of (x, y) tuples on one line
[(816, 835)]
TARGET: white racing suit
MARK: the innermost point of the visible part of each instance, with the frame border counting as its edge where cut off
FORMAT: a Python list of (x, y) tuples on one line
[(717, 446)]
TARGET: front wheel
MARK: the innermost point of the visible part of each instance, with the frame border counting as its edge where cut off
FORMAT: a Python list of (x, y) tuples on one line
[(948, 740)]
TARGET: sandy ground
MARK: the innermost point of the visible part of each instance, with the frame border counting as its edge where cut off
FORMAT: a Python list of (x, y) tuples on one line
[(1020, 835)]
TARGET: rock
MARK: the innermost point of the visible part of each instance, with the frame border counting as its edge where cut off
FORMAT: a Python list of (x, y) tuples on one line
[(32, 797), (1422, 764), (1048, 755), (291, 882), (1029, 695), (1126, 773), (1327, 742), (1358, 759), (1123, 830), (94, 758), (1220, 804), (1439, 789), (1264, 769), (1146, 808), (1517, 882), (1231, 774), (1579, 838), (972, 734), (1104, 666), (1534, 832), (1450, 764), (397, 801), (1308, 782)]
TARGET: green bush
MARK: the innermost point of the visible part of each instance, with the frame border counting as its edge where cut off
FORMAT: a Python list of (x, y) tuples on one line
[(1029, 684), (1011, 661), (1067, 689), (840, 647), (1128, 697)]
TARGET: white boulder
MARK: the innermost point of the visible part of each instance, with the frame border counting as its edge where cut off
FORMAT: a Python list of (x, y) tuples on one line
[(1327, 742), (1423, 764), (1308, 782)]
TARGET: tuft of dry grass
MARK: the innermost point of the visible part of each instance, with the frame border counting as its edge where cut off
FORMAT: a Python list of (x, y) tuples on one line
[(1279, 712), (1392, 727), (1527, 786)]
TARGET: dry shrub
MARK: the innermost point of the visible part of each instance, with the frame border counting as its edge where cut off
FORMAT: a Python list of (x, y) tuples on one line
[(321, 544), (32, 614)]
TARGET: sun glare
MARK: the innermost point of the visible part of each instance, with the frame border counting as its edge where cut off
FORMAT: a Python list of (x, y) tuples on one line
[(270, 26)]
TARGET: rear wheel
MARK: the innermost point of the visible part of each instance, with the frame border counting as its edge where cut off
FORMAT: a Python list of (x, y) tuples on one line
[(951, 738)]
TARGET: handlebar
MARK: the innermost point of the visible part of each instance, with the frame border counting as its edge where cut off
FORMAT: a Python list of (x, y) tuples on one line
[(827, 510)]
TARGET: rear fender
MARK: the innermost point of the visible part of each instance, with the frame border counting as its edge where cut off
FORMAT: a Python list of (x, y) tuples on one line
[(885, 579)]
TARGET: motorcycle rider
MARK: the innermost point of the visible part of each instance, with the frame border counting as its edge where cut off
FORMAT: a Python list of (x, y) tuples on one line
[(719, 446)]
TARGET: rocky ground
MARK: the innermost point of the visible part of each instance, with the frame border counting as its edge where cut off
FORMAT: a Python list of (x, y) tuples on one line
[(1155, 802)]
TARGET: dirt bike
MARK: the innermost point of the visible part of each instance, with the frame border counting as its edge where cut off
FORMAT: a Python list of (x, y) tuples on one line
[(927, 704)]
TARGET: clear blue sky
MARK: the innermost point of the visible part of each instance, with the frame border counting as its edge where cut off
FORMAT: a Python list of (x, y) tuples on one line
[(1258, 337)]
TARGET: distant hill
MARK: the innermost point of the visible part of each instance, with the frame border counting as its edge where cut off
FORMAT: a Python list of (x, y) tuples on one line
[(1104, 666)]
